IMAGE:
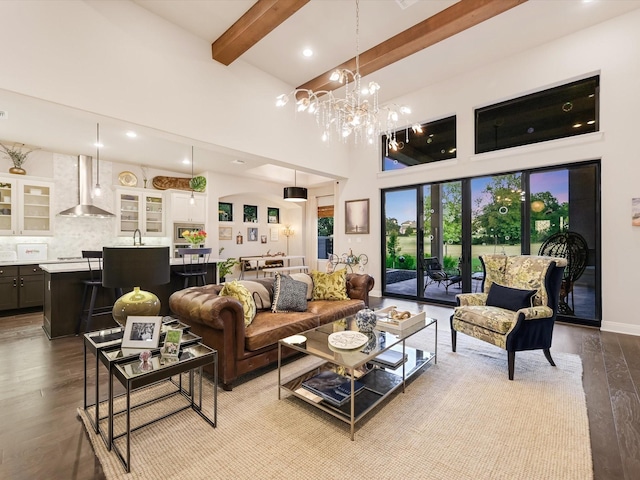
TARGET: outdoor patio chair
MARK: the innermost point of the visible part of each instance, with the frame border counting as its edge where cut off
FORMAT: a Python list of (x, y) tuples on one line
[(436, 274)]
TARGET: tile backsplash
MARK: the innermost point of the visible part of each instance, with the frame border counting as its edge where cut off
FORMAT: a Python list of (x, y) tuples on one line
[(72, 235)]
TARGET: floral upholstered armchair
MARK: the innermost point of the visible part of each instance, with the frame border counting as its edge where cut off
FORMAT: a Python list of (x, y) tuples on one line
[(517, 308)]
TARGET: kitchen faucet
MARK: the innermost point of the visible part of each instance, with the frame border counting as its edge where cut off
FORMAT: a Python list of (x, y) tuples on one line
[(137, 230)]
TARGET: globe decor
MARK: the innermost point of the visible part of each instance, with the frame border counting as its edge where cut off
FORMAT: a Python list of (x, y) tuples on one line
[(194, 237)]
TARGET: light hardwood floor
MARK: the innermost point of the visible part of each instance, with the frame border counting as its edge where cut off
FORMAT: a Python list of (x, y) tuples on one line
[(42, 437)]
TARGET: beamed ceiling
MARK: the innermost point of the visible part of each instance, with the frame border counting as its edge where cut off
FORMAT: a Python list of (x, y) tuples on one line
[(266, 15)]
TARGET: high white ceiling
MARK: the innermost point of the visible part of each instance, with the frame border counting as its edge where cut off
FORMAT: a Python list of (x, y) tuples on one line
[(327, 27)]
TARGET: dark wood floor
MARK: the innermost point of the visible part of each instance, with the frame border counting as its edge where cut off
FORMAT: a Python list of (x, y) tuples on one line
[(41, 436)]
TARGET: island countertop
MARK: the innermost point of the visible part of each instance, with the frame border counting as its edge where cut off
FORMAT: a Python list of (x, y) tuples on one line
[(83, 266)]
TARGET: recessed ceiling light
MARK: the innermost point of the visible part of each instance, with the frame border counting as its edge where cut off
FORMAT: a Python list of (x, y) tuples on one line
[(131, 134), (591, 122), (577, 125), (307, 52), (237, 161), (186, 161)]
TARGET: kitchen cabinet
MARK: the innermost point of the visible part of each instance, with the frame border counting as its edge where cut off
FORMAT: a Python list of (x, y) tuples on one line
[(25, 207), (140, 209), (21, 287), (183, 211)]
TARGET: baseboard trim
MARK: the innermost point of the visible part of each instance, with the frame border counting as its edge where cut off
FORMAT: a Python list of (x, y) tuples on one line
[(617, 327)]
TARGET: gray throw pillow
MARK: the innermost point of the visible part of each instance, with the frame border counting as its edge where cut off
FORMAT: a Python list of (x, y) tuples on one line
[(289, 295)]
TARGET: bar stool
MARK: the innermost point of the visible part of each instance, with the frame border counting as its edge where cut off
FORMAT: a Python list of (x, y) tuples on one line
[(94, 260), (194, 265)]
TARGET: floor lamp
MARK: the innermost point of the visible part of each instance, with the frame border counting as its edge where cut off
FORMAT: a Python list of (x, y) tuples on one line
[(288, 232), (133, 267)]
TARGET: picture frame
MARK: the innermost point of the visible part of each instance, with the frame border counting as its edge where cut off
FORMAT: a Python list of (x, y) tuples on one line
[(252, 234), (263, 239), (225, 233), (356, 216), (171, 345), (239, 239), (635, 212), (142, 332), (273, 215), (250, 213), (225, 212), (273, 233)]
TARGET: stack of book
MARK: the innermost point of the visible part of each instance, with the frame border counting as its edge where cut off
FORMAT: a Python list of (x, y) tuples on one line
[(390, 359), (332, 387)]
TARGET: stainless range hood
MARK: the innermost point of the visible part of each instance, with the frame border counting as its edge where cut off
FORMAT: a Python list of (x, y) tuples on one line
[(85, 207)]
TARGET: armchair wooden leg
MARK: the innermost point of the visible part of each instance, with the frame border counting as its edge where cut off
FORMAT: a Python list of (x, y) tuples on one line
[(547, 354), (453, 340), (511, 356)]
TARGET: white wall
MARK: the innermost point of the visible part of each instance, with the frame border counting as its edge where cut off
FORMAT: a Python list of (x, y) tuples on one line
[(611, 49), (117, 59)]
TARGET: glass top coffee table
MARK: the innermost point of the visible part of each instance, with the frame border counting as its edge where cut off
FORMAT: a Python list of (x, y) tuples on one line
[(349, 382)]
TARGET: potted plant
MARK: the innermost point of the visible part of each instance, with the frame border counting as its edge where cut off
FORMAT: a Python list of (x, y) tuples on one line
[(225, 267), (17, 156)]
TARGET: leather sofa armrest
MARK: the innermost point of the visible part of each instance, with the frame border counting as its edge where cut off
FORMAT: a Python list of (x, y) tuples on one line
[(203, 305), (359, 285)]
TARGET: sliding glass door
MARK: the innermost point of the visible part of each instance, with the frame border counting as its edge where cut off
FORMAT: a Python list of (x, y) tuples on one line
[(442, 241), (435, 233), (400, 241)]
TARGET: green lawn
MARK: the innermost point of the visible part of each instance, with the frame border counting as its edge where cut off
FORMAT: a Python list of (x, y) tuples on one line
[(408, 246)]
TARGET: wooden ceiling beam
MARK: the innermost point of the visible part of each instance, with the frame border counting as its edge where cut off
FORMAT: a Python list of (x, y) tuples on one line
[(255, 24), (455, 19)]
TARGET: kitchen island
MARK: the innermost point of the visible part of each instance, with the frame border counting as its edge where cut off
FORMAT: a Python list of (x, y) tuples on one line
[(63, 289)]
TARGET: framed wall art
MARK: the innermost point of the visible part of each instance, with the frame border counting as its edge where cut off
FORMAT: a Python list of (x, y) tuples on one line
[(225, 233), (225, 212), (273, 215), (252, 234), (356, 216), (250, 213)]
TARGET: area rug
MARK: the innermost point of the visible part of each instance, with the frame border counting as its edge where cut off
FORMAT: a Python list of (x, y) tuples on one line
[(459, 419)]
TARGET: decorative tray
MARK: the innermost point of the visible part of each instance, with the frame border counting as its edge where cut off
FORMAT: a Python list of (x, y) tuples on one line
[(347, 340), (390, 324)]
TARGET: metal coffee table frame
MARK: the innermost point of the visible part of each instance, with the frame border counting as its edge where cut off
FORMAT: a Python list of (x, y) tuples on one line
[(357, 361)]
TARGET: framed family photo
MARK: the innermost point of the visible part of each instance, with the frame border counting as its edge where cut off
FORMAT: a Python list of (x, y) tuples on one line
[(356, 216), (171, 346), (142, 332)]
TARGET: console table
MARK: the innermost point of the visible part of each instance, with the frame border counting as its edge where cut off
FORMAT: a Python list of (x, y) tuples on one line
[(261, 266)]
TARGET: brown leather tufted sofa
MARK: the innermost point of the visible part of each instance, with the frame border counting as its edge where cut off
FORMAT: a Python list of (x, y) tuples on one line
[(220, 323)]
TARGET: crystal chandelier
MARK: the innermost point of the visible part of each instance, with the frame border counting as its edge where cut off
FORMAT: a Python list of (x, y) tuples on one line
[(358, 115)]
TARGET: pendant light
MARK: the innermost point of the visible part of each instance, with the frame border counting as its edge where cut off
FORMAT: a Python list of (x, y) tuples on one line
[(97, 191), (192, 200), (295, 193)]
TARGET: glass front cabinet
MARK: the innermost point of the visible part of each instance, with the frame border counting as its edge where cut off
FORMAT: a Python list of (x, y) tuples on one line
[(25, 207), (140, 209)]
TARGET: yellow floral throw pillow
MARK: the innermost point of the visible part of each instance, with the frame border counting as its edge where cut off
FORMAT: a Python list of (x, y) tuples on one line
[(330, 286), (243, 295)]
